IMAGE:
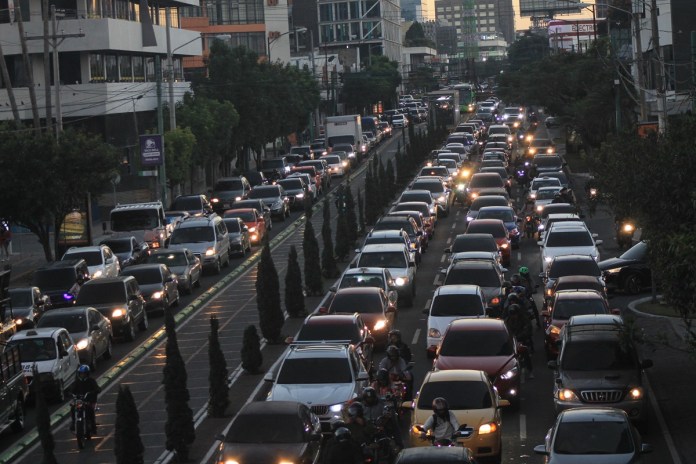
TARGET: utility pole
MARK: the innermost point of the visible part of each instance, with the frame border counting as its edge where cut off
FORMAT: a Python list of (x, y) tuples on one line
[(46, 63), (638, 57), (170, 73), (693, 72), (315, 132), (660, 79), (28, 70)]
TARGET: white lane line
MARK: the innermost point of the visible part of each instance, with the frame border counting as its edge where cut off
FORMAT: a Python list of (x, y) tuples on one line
[(454, 226), (663, 425), (427, 304), (444, 257), (523, 427), (449, 241), (415, 337), (436, 281), (519, 256)]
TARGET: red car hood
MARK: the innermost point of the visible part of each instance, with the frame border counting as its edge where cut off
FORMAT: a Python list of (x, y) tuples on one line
[(491, 365)]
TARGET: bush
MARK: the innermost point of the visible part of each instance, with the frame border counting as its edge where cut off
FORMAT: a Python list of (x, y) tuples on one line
[(252, 359)]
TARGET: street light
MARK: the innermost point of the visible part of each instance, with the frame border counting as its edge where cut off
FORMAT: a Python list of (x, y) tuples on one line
[(270, 41)]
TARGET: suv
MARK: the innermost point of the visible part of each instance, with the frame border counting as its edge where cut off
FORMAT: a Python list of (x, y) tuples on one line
[(101, 261), (598, 365), (449, 303), (275, 168), (192, 204), (325, 376), (206, 237), (119, 299), (58, 278), (228, 190), (275, 197), (396, 258)]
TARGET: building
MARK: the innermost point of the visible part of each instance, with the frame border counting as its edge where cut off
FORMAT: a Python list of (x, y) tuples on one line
[(571, 36)]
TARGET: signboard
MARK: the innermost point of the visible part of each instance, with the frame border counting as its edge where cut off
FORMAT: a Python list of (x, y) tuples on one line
[(151, 150), (548, 8), (73, 231)]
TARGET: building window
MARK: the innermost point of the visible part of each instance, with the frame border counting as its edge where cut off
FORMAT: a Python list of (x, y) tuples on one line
[(354, 10), (111, 68), (327, 33), (371, 8), (138, 69), (341, 11), (255, 41), (96, 68), (150, 74), (326, 12), (491, 6), (125, 69), (223, 12), (355, 31), (342, 32)]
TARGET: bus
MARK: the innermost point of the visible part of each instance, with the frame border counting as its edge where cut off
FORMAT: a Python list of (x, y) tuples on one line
[(467, 96)]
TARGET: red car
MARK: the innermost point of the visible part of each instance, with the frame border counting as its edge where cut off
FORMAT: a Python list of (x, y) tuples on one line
[(252, 219), (500, 233), (372, 304), (484, 345)]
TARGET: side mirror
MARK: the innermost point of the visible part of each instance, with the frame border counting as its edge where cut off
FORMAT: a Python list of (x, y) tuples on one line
[(411, 264), (270, 377), (542, 275), (333, 289), (540, 243), (552, 364), (541, 449), (503, 270), (323, 310), (503, 403), (407, 405), (220, 437), (646, 448), (392, 296), (363, 376), (448, 250), (170, 279)]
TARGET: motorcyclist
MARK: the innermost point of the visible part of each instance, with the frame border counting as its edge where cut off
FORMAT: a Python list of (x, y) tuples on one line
[(75, 289), (86, 387), (373, 410), (512, 299), (397, 367), (381, 383), (344, 449), (404, 350), (442, 423), (361, 429), (530, 289), (557, 198), (567, 196), (519, 326)]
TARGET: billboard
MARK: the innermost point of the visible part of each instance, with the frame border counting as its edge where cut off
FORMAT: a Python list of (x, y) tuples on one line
[(151, 150), (549, 8)]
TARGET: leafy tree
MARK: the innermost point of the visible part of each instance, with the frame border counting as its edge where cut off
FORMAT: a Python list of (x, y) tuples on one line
[(43, 420), (252, 359), (294, 294), (218, 391), (391, 181), (328, 259), (378, 83), (423, 78), (415, 37), (271, 317), (312, 262), (178, 146), (178, 427), (61, 176), (128, 446), (527, 50)]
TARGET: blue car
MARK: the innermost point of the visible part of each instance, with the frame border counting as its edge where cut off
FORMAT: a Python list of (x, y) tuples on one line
[(507, 215)]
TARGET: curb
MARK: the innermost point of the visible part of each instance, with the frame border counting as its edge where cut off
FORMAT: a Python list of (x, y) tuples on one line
[(674, 322)]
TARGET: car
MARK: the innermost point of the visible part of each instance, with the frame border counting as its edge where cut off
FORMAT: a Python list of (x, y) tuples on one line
[(325, 376), (316, 178), (348, 148), (540, 146), (558, 208), (501, 171), (240, 239), (472, 242), (598, 365), (583, 435), (207, 238), (483, 344), (173, 218), (539, 182), (482, 180), (442, 196), (337, 166), (448, 303), (551, 121), (487, 275), (629, 272), (386, 129), (473, 401), (28, 305), (401, 221), (183, 263), (192, 204), (260, 207), (509, 218), (545, 196), (396, 258), (542, 164), (57, 280), (573, 239), (127, 250), (379, 277), (569, 265), (500, 233), (436, 455), (487, 256), (393, 236), (158, 285), (119, 299), (100, 260), (275, 197), (429, 219), (493, 163), (227, 191), (254, 222), (452, 168), (322, 167), (481, 202), (275, 168), (256, 178), (438, 171), (577, 282), (296, 190), (304, 150), (290, 433), (89, 330), (421, 232), (51, 353), (561, 176), (556, 217), (307, 179), (373, 304), (418, 195), (399, 121), (565, 304)]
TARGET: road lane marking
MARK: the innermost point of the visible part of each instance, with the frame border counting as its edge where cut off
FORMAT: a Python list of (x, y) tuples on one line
[(449, 240), (519, 256), (663, 425), (523, 427), (454, 226), (436, 281), (427, 304), (444, 257), (415, 337)]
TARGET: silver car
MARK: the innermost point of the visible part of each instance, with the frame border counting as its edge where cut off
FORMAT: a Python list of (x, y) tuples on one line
[(183, 263), (158, 285)]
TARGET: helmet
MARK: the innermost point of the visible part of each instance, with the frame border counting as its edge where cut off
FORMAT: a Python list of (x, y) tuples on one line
[(515, 279), (369, 396), (382, 376), (388, 409), (513, 309), (395, 333), (440, 406), (513, 298), (356, 409), (337, 424), (393, 352), (523, 271), (507, 284), (342, 434), (83, 371)]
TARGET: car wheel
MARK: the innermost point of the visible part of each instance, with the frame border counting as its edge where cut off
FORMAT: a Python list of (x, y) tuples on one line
[(227, 261), (189, 288), (632, 284), (145, 323), (108, 352), (130, 332), (18, 423)]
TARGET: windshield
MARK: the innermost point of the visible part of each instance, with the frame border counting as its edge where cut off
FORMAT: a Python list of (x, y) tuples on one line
[(93, 258), (502, 214), (362, 280), (118, 246), (435, 171), (587, 267), (101, 293), (192, 235), (492, 200), (540, 143), (315, 371), (187, 204), (416, 196), (476, 343), (497, 230), (286, 428), (546, 194), (337, 332), (246, 216), (332, 159), (382, 240), (433, 186), (474, 276), (170, 259), (264, 192), (232, 225), (357, 303), (638, 252), (235, 184), (389, 259), (564, 238), (73, 323), (145, 276), (52, 279), (273, 164), (254, 204), (594, 437), (459, 395), (474, 244), (20, 298), (395, 225), (548, 161), (565, 308), (595, 355), (290, 184), (424, 209), (456, 306), (35, 349), (139, 219), (486, 181), (536, 184)]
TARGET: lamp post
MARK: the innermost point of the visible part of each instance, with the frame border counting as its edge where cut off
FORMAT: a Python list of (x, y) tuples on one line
[(270, 41)]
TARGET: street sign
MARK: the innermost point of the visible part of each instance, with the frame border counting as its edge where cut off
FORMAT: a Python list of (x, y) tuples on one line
[(151, 150)]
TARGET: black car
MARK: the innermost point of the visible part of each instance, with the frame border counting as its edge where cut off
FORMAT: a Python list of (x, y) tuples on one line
[(58, 280), (275, 168), (256, 178), (228, 190), (296, 190), (127, 249), (629, 272), (192, 204), (272, 432)]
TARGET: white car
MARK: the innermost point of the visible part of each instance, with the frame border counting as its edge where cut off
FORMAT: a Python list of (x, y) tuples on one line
[(100, 260), (54, 355), (452, 302), (396, 258), (337, 167), (568, 238), (478, 256), (545, 196), (539, 182), (324, 376)]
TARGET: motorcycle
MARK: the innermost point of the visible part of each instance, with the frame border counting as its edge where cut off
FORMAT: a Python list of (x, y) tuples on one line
[(531, 225), (83, 426), (383, 448), (462, 432), (624, 234)]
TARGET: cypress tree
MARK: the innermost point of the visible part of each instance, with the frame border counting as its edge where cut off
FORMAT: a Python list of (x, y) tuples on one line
[(329, 268), (271, 318), (361, 214), (384, 188), (370, 206), (391, 180), (294, 295), (128, 446), (218, 391), (351, 218), (43, 420), (308, 206), (342, 245), (252, 359), (312, 262), (178, 428)]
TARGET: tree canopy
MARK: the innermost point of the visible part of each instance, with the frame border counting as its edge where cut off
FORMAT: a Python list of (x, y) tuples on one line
[(377, 83)]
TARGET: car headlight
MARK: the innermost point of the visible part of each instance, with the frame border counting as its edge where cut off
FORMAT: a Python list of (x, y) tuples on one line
[(299, 195), (465, 173), (401, 281), (157, 295), (237, 198), (628, 228), (510, 138), (97, 274), (565, 394), (635, 393), (82, 344), (344, 164), (490, 427), (286, 462), (553, 330), (460, 187), (613, 271), (210, 251), (470, 218), (380, 325), (434, 333), (118, 312), (474, 195), (548, 259), (540, 208), (229, 461), (511, 373), (504, 246), (19, 321), (432, 210), (532, 195), (336, 407), (413, 245), (252, 229), (215, 200)]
